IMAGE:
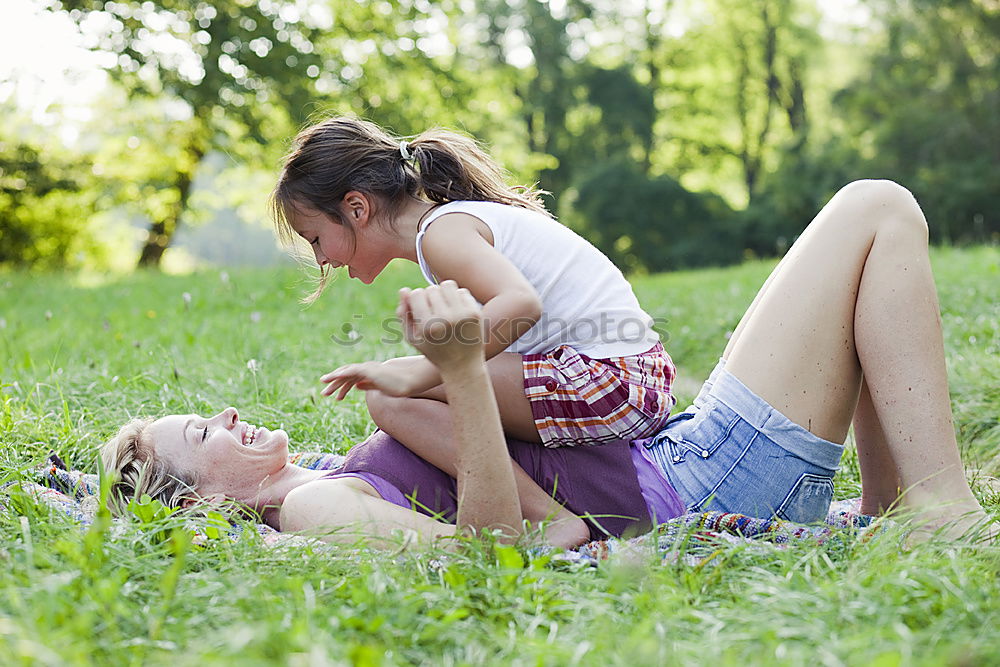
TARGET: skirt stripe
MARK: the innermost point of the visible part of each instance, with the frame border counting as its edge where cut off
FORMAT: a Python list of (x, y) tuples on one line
[(577, 400)]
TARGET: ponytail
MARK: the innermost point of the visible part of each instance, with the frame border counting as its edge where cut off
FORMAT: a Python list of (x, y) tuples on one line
[(453, 167)]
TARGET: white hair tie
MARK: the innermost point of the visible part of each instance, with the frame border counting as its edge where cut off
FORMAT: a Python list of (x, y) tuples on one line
[(404, 150)]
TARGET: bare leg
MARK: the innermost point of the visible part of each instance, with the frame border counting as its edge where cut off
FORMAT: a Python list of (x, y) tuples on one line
[(507, 373), (855, 298), (880, 479), (880, 487)]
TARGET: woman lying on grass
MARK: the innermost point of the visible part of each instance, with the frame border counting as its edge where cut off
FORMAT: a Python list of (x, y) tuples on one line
[(184, 460), (845, 329)]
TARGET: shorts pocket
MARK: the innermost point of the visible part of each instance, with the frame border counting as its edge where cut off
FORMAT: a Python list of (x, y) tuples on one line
[(570, 364), (808, 501), (700, 432), (653, 404)]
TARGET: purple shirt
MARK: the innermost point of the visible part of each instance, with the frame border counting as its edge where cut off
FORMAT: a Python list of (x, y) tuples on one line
[(614, 487), (661, 498)]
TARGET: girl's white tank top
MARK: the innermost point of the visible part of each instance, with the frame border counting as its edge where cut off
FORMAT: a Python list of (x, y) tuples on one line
[(586, 301)]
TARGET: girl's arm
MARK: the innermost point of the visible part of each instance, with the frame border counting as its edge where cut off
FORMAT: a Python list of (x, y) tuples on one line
[(457, 247)]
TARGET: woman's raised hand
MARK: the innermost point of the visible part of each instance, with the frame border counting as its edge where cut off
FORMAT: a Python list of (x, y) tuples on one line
[(444, 323)]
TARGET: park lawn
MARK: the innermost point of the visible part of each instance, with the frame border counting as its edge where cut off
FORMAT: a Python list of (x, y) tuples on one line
[(79, 356)]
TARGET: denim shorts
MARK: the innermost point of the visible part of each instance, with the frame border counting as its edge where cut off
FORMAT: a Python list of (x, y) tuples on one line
[(732, 452)]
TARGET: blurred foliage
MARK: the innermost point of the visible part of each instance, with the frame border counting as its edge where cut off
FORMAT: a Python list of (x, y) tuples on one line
[(790, 196), (672, 132), (46, 199), (928, 110), (737, 83), (238, 68), (651, 223)]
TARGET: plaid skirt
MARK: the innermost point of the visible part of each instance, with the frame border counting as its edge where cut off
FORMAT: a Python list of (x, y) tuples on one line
[(576, 400)]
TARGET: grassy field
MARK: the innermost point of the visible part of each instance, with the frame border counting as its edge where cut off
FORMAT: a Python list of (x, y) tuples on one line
[(78, 357)]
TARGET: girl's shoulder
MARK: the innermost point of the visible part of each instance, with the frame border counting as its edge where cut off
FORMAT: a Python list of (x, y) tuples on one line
[(456, 227), (489, 209), (494, 216)]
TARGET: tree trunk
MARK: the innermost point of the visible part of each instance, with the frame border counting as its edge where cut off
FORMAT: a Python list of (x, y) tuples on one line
[(653, 40), (770, 50), (796, 105), (161, 232), (747, 157)]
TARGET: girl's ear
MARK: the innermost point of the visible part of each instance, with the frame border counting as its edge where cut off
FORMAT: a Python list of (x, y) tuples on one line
[(357, 207)]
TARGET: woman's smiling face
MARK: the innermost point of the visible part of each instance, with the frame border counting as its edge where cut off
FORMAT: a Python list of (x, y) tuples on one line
[(227, 456)]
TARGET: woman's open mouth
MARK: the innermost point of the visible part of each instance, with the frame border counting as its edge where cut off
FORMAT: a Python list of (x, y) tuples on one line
[(250, 435)]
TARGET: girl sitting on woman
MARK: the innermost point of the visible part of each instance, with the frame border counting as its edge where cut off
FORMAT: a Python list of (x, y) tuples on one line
[(845, 329), (185, 460)]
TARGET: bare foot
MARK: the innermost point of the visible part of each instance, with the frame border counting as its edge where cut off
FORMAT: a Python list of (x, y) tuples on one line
[(565, 532), (967, 521)]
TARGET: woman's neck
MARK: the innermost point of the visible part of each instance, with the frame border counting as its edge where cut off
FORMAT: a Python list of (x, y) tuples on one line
[(274, 489)]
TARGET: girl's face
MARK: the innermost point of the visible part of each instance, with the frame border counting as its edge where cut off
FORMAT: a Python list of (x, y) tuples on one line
[(228, 457), (365, 252)]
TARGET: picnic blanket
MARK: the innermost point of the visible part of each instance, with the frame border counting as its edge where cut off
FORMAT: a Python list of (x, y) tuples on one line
[(688, 538)]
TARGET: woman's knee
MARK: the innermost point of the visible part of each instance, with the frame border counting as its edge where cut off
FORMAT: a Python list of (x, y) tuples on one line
[(886, 201)]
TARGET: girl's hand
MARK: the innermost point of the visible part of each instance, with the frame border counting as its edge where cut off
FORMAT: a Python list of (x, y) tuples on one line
[(443, 322), (388, 377)]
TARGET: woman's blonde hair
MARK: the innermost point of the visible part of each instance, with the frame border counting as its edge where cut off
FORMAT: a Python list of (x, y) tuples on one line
[(129, 460), (341, 154)]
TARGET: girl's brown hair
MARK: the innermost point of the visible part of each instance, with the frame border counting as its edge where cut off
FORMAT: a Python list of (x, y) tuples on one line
[(341, 154)]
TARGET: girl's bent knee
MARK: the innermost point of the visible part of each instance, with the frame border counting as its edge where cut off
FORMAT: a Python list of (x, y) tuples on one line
[(377, 403), (385, 410)]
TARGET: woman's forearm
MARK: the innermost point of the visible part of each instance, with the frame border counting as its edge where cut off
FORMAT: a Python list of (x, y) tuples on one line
[(445, 323), (487, 493)]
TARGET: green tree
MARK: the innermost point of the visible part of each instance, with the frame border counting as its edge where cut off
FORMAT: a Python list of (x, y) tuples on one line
[(233, 71), (735, 91), (926, 111), (651, 223), (789, 197), (529, 42), (45, 201), (408, 67)]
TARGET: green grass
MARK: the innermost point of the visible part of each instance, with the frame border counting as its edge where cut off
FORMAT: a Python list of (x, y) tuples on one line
[(77, 359)]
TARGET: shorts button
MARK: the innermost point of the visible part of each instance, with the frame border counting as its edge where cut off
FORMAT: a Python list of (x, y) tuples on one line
[(558, 354), (677, 459), (704, 453), (550, 385)]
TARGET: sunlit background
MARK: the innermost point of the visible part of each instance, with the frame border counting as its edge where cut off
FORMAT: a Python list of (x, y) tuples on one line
[(134, 134)]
